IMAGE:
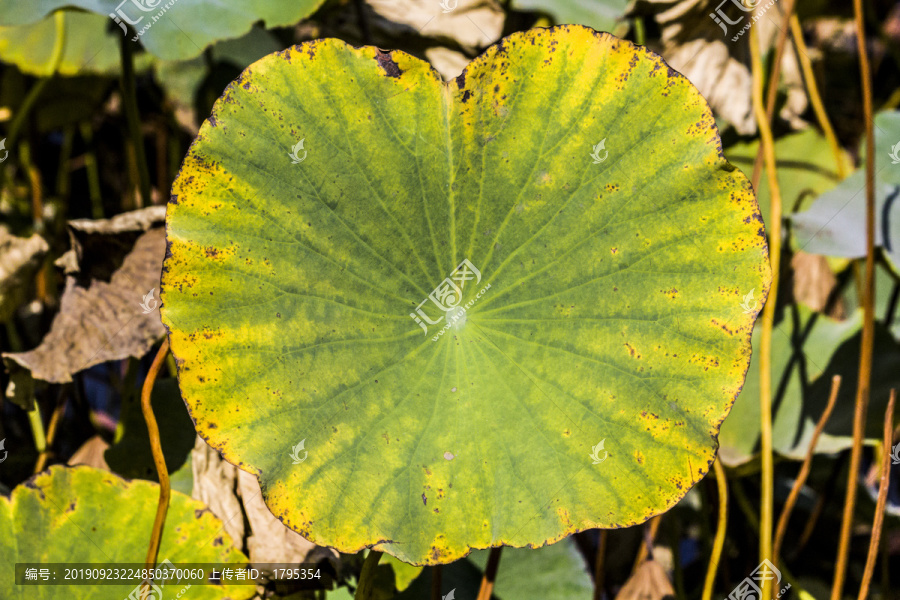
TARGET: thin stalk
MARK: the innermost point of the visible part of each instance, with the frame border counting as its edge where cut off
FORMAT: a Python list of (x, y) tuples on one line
[(677, 571), (815, 99), (882, 498), (490, 574), (59, 46), (37, 428), (63, 170), (639, 33), (767, 143), (819, 508), (868, 303), (804, 470), (37, 215), (90, 168), (133, 118), (772, 90), (51, 432), (366, 587), (599, 564), (158, 457), (719, 542), (646, 549), (437, 572)]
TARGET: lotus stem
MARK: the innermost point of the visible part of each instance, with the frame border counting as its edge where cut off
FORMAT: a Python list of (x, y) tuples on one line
[(765, 353), (815, 99), (646, 548), (90, 168), (883, 484), (158, 458), (51, 432), (490, 574), (719, 543), (868, 304), (772, 89), (133, 118), (804, 470), (366, 587), (437, 573), (599, 564)]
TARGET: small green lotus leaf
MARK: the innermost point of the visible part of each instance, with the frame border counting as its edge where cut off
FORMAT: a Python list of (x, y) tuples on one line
[(85, 515), (451, 295)]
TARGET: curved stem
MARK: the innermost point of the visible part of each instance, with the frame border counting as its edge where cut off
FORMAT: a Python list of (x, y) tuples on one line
[(812, 91), (158, 458), (768, 323), (719, 542), (883, 485), (868, 304), (804, 470), (490, 574), (367, 576)]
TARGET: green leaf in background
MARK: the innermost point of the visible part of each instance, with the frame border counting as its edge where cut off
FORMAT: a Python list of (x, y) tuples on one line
[(601, 15), (802, 344), (182, 79), (91, 47), (179, 29), (84, 515), (554, 572), (835, 224), (567, 188), (130, 456), (808, 349), (404, 573)]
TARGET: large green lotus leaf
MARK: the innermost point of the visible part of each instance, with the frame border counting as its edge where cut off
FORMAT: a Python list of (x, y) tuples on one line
[(85, 515), (179, 29), (296, 290)]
